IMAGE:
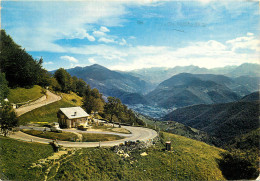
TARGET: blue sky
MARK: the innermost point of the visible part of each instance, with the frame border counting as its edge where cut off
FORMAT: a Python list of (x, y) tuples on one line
[(128, 34)]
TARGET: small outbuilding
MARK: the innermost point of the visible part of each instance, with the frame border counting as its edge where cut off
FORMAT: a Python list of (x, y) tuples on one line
[(72, 117)]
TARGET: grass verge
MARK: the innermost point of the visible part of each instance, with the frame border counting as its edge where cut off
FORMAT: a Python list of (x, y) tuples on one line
[(19, 95), (65, 136), (93, 137), (16, 158), (48, 113)]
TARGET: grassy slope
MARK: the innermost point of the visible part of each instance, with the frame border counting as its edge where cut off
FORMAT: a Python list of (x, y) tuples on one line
[(48, 113), (65, 136), (191, 160), (16, 157), (93, 137), (19, 94)]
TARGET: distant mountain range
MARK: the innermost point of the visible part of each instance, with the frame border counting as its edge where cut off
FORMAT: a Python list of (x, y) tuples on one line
[(111, 83), (179, 89), (159, 74), (188, 89), (224, 121)]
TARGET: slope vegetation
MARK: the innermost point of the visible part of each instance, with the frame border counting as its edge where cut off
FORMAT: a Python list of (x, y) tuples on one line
[(19, 95), (223, 121), (191, 160), (17, 157)]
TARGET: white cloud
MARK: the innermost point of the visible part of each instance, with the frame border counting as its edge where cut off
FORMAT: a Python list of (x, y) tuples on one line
[(104, 29), (90, 38), (99, 33), (69, 58), (80, 34), (248, 42), (92, 60), (250, 34), (122, 42), (48, 63), (205, 1), (207, 54), (66, 20), (132, 37), (106, 40)]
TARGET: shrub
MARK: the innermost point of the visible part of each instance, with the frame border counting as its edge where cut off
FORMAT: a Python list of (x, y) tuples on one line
[(236, 165)]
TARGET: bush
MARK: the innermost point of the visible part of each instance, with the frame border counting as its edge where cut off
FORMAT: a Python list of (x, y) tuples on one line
[(74, 100), (236, 165)]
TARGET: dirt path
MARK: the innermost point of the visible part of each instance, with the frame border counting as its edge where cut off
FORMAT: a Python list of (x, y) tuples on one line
[(57, 162), (50, 98)]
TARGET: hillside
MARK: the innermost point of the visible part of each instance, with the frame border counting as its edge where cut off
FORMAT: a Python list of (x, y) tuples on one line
[(251, 97), (240, 85), (248, 141), (223, 121), (48, 113), (246, 69), (112, 83), (19, 67), (156, 75), (186, 89), (190, 160), (250, 83), (20, 95), (17, 158)]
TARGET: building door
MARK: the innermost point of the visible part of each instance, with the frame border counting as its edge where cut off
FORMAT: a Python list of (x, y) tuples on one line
[(73, 123)]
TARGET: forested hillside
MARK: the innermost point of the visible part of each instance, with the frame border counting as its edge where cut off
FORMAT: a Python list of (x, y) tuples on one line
[(20, 69), (187, 89), (223, 121)]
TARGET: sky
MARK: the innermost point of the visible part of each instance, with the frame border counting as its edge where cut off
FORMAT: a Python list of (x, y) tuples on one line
[(134, 34)]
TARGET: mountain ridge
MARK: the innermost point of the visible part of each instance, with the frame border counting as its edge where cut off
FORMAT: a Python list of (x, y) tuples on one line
[(158, 74), (128, 88), (186, 89), (224, 121)]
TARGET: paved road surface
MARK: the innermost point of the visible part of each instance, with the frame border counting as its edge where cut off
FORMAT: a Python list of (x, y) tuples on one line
[(50, 98), (138, 133)]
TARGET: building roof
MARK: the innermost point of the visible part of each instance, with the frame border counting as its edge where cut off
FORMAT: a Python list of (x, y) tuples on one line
[(74, 112)]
